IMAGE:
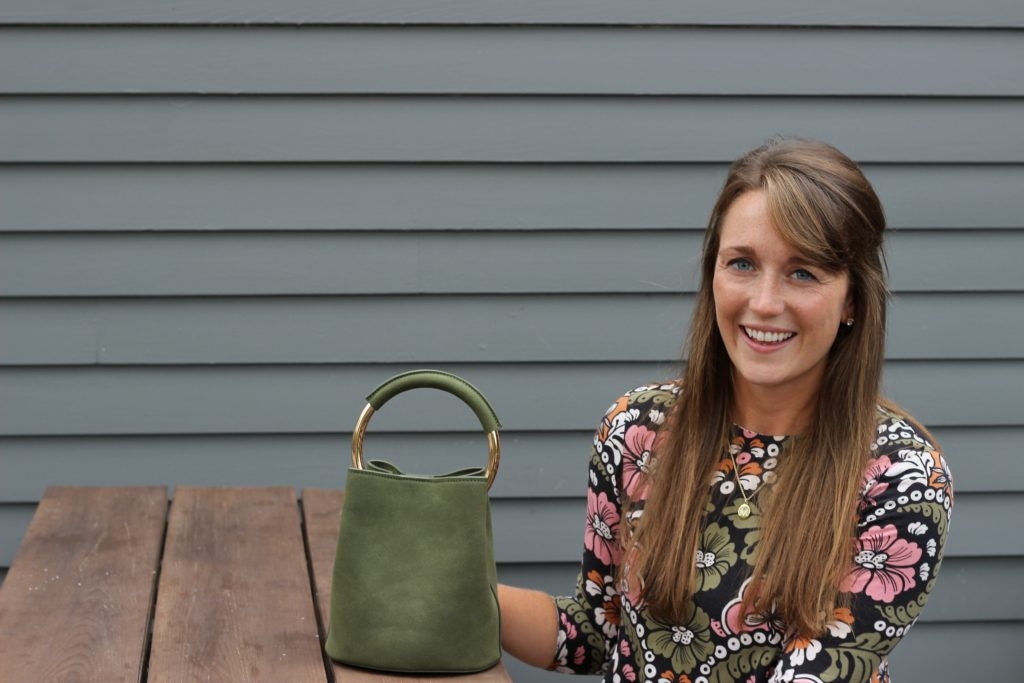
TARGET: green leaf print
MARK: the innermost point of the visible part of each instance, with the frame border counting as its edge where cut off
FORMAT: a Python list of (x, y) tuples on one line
[(904, 615), (857, 661), (753, 523), (741, 664)]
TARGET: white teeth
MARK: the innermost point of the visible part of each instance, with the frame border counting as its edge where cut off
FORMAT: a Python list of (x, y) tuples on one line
[(767, 337)]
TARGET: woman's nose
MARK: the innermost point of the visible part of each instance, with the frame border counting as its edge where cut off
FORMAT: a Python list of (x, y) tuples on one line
[(766, 298)]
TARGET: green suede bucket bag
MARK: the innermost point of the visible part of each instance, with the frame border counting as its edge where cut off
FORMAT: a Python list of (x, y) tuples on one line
[(414, 588)]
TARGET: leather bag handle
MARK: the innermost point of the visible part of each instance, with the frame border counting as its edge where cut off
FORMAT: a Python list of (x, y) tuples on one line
[(432, 379)]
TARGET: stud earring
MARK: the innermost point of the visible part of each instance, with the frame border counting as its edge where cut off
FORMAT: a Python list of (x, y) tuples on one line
[(849, 322)]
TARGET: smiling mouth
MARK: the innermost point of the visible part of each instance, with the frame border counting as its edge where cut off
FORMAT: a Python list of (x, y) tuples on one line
[(762, 337)]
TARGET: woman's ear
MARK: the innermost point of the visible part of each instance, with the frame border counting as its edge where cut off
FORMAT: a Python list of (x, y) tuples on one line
[(849, 310)]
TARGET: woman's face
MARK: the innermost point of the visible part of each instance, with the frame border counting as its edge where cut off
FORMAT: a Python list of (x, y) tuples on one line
[(778, 314)]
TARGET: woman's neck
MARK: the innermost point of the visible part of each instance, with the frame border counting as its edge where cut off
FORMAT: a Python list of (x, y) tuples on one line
[(771, 411)]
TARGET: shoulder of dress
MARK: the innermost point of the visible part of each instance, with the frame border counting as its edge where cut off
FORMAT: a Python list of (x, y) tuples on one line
[(649, 396), (651, 401), (904, 446), (894, 426)]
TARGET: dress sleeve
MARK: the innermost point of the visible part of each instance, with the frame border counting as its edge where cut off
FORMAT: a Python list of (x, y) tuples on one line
[(588, 622), (904, 513)]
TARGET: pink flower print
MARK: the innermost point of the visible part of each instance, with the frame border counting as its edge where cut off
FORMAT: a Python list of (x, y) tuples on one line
[(629, 672), (884, 564), (624, 648), (716, 626), (568, 627), (742, 458), (734, 621), (602, 526), (871, 488), (636, 458), (581, 654)]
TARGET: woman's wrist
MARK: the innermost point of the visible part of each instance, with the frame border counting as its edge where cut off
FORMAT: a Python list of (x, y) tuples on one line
[(529, 625)]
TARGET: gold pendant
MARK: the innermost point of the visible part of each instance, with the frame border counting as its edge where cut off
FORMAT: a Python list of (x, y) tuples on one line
[(743, 511)]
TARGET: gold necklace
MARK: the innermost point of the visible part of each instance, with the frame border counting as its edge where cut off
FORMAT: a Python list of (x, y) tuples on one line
[(744, 509)]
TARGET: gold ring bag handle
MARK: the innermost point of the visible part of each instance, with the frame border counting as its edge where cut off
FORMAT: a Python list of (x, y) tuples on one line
[(432, 379)]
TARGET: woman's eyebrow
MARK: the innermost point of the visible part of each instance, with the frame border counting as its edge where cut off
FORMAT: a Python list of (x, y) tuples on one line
[(741, 249)]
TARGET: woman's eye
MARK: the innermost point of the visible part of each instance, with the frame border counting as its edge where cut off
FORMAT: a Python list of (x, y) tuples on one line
[(804, 274), (741, 264)]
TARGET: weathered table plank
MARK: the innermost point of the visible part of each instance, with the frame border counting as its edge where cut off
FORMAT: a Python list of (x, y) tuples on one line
[(76, 603), (322, 513), (234, 602)]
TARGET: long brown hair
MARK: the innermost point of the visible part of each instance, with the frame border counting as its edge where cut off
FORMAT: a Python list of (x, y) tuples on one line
[(825, 209)]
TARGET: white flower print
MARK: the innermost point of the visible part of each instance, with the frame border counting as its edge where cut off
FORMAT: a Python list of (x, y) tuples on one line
[(800, 655), (782, 676), (608, 609), (615, 441), (911, 469), (839, 629), (791, 676), (607, 620)]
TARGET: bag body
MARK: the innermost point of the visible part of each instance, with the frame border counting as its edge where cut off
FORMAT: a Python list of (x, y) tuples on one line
[(414, 586)]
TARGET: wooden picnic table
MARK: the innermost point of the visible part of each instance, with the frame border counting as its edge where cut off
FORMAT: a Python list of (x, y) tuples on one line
[(232, 584)]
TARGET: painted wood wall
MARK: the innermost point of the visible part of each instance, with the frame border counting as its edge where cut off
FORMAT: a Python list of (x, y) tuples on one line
[(222, 223)]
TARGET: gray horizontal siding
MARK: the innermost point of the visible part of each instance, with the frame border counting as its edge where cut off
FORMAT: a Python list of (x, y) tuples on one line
[(535, 465), (916, 13), (491, 329), (936, 652), (362, 197), (268, 399), (500, 129), (477, 60), (156, 264)]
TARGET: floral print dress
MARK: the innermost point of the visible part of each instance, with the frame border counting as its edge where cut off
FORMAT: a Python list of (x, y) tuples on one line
[(904, 509)]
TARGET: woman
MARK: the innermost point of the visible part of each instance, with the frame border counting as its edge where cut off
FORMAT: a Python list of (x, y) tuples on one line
[(768, 516)]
